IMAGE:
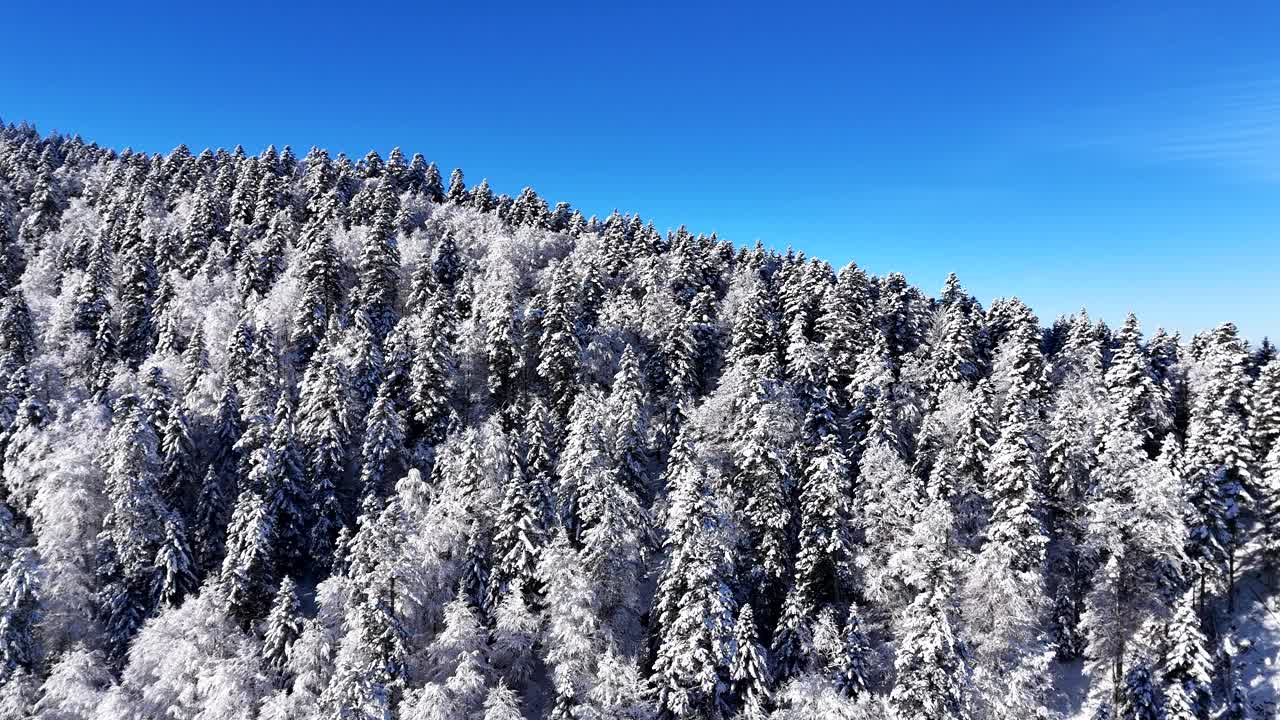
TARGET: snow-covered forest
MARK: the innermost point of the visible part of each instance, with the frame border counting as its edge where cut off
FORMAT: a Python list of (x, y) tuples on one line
[(329, 438)]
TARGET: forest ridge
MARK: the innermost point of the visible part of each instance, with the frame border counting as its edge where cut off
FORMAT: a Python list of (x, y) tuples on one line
[(328, 438)]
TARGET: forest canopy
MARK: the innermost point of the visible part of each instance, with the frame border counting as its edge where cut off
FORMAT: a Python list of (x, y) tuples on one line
[(329, 438)]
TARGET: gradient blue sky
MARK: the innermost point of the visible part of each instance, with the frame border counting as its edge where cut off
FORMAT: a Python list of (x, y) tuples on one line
[(1112, 155)]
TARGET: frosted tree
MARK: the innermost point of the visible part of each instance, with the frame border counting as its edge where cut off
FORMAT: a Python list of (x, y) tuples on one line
[(248, 571), (284, 625), (933, 675), (572, 631), (457, 188), (749, 666), (175, 572), (823, 565), (74, 688), (522, 529), (20, 604), (383, 444), (765, 481), (516, 628), (693, 606), (1264, 409), (559, 346), (1135, 531), (1187, 665), (629, 425), (1139, 700), (378, 271), (1219, 456)]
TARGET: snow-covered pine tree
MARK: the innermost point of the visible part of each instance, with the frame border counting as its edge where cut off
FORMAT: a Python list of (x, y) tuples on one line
[(283, 627), (1187, 667), (20, 609), (749, 666), (175, 574)]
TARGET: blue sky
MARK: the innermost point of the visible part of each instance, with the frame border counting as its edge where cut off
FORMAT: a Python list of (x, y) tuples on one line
[(1118, 156)]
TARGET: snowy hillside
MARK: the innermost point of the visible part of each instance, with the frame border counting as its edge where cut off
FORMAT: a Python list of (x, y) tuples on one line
[(312, 438)]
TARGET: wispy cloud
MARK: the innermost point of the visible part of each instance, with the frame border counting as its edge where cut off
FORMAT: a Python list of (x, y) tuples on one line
[(1232, 125)]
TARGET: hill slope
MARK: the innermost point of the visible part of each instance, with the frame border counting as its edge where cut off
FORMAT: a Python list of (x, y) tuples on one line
[(321, 438)]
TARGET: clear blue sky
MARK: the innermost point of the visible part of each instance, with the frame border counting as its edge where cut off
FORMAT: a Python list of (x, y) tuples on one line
[(1115, 158)]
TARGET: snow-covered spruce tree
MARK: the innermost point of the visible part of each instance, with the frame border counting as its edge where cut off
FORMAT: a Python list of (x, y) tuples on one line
[(749, 667), (931, 664), (1219, 460), (1135, 531), (1187, 666), (283, 627), (378, 272), (19, 612), (694, 610)]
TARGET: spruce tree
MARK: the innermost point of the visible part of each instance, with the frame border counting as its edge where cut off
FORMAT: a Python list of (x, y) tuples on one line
[(1187, 665), (749, 667), (175, 573), (381, 455), (283, 627), (20, 611), (458, 194), (248, 572), (559, 346), (378, 271)]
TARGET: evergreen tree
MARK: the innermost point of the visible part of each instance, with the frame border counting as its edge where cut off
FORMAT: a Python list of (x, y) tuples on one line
[(458, 194), (432, 186), (749, 667), (559, 346), (175, 574), (1187, 665), (1139, 700), (283, 626), (383, 444), (931, 666), (248, 572), (693, 607), (20, 610), (378, 272)]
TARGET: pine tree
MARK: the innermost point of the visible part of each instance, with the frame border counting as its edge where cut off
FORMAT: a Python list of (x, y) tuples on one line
[(378, 272), (20, 611), (823, 565), (283, 627), (213, 512), (764, 477), (1219, 458), (749, 667), (482, 198), (1014, 473), (693, 607), (175, 574), (279, 477), (137, 323), (559, 346), (1264, 410), (17, 333), (931, 664), (201, 230), (1139, 700), (430, 401), (1187, 665), (522, 530), (248, 572), (458, 194), (324, 421), (854, 667), (383, 444), (628, 417)]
